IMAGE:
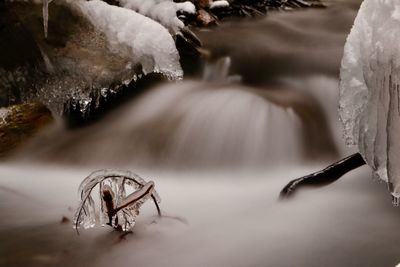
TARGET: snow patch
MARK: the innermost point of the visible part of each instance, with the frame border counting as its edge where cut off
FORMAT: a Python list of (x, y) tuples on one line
[(144, 41), (187, 7), (162, 11), (219, 4)]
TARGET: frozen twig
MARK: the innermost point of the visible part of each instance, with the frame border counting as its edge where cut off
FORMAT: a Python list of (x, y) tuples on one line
[(117, 208)]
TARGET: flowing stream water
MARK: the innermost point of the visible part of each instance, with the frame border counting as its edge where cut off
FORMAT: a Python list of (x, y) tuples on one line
[(219, 149)]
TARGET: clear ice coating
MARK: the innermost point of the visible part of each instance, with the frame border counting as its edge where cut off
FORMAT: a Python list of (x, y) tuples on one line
[(369, 104), (116, 183)]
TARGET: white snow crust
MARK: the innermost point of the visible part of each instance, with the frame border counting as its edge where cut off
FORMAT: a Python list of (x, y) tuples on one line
[(163, 11), (219, 4), (369, 90), (134, 35), (137, 36)]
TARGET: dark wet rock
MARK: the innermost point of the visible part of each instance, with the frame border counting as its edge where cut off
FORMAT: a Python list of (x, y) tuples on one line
[(20, 122), (21, 61), (66, 64), (189, 48)]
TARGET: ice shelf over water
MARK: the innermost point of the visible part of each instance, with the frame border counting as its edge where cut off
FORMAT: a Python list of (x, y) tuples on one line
[(107, 46), (369, 90)]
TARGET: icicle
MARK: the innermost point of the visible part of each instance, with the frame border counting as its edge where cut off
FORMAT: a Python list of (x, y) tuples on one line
[(395, 201), (46, 16)]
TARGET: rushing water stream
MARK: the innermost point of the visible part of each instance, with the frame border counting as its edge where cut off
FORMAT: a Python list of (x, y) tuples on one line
[(219, 152)]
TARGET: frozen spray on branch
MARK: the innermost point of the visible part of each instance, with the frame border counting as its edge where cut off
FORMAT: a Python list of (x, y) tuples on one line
[(118, 208)]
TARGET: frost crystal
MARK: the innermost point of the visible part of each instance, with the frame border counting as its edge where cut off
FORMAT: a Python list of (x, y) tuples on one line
[(369, 90), (118, 208)]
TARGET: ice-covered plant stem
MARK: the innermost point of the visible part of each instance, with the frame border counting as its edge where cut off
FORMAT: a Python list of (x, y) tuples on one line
[(131, 199), (117, 208)]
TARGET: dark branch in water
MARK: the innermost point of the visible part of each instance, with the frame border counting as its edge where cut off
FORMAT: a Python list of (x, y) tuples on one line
[(324, 177)]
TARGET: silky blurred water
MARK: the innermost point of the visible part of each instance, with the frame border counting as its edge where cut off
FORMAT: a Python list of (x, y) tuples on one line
[(226, 219), (283, 111)]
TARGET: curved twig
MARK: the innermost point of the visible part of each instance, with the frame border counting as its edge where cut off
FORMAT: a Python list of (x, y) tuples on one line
[(327, 176)]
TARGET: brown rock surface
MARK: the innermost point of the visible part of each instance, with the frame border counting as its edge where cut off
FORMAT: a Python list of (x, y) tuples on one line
[(20, 122)]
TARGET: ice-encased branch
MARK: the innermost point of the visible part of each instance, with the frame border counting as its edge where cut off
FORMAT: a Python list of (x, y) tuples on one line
[(119, 209)]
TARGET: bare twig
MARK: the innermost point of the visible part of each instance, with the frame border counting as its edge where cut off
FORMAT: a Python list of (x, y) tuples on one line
[(327, 176)]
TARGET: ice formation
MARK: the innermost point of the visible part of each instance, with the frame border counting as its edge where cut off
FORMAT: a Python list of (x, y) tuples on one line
[(219, 4), (148, 43), (109, 46), (113, 184), (369, 90), (163, 11), (46, 16)]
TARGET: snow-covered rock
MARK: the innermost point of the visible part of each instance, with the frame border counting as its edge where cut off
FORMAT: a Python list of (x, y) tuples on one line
[(369, 89), (143, 40), (100, 49), (163, 11)]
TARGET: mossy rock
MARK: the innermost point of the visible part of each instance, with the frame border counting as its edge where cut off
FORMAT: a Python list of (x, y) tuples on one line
[(20, 122)]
